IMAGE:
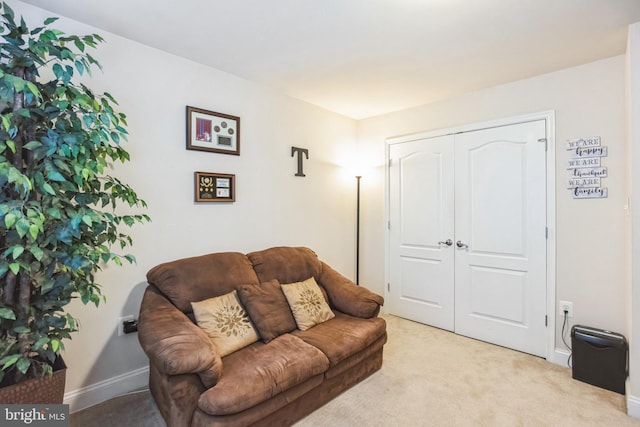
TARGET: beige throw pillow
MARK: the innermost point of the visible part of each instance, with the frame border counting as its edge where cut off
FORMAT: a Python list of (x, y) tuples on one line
[(307, 304), (225, 322)]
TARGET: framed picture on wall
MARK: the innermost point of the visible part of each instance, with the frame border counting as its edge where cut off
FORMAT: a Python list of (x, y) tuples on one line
[(211, 131), (215, 187)]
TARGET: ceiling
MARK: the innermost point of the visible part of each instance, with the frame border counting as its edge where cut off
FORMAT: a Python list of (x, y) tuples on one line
[(362, 58)]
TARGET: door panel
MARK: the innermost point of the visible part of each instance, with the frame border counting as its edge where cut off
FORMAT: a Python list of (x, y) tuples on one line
[(414, 287), (486, 283), (421, 214), (420, 191), (495, 188), (500, 278)]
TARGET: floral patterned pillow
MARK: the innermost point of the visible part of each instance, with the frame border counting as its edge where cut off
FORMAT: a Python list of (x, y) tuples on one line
[(307, 303), (226, 322)]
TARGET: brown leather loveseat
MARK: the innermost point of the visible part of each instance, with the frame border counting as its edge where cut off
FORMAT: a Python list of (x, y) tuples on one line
[(283, 375)]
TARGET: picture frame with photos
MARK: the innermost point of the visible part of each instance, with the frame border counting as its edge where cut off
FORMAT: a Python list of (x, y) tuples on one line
[(214, 187), (212, 131)]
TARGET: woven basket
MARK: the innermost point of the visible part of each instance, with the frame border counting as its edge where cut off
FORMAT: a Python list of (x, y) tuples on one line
[(44, 390)]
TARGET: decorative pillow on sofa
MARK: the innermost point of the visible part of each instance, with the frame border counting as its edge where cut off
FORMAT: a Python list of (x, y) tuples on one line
[(307, 303), (226, 322), (268, 309)]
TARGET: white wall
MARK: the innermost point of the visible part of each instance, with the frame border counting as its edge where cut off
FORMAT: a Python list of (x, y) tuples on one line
[(273, 207), (633, 114), (591, 234)]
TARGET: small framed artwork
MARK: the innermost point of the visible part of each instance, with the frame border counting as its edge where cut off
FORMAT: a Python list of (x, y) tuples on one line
[(215, 187), (211, 131)]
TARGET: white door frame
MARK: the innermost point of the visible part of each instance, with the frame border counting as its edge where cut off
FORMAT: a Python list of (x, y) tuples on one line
[(549, 118)]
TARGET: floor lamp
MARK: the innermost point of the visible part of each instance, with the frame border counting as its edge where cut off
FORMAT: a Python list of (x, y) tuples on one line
[(358, 229)]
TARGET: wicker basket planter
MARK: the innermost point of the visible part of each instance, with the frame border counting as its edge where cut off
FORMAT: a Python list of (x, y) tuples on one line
[(45, 390)]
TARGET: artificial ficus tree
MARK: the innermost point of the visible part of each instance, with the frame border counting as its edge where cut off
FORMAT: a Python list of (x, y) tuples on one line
[(59, 220)]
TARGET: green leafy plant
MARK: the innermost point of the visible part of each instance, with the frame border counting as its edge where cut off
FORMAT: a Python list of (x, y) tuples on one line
[(58, 220)]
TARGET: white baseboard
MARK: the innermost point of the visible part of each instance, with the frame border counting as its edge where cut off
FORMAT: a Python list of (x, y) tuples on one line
[(633, 406), (104, 390), (560, 357)]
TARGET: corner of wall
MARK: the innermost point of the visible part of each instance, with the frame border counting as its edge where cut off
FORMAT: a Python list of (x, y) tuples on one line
[(633, 124)]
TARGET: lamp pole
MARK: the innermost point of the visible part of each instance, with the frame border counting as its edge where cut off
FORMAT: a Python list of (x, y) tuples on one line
[(358, 229)]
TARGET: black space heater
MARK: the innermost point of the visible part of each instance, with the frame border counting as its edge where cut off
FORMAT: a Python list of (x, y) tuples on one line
[(600, 358)]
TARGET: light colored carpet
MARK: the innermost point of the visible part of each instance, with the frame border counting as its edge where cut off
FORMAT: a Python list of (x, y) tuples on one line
[(433, 378)]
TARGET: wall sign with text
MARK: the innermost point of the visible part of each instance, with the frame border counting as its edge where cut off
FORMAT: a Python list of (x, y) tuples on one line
[(586, 168)]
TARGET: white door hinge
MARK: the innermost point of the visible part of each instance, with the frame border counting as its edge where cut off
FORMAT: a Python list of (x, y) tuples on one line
[(545, 142)]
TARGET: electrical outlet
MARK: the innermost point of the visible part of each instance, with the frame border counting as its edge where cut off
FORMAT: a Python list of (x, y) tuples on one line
[(121, 320), (566, 305)]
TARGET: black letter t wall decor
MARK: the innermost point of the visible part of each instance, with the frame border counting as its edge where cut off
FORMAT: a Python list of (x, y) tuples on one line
[(299, 151)]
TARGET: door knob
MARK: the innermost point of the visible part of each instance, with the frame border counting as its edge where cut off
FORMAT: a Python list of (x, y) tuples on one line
[(461, 245), (448, 242)]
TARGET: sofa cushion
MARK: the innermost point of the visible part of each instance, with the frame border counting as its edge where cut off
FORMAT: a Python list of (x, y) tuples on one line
[(261, 371), (226, 322), (307, 303), (287, 264), (268, 309), (356, 359), (199, 278), (343, 336)]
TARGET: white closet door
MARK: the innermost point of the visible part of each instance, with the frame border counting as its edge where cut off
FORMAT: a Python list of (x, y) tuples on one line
[(500, 270), (467, 234), (421, 216)]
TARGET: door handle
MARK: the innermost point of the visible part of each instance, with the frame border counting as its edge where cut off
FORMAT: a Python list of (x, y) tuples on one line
[(447, 242), (461, 245)]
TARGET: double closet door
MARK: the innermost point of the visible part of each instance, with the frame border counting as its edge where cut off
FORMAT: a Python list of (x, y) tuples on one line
[(467, 233)]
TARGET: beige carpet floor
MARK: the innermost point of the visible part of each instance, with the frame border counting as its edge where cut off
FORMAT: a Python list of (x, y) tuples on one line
[(433, 378)]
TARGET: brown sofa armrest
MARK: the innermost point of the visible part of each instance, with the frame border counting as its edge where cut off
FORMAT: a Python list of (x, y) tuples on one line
[(347, 297), (173, 343)]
